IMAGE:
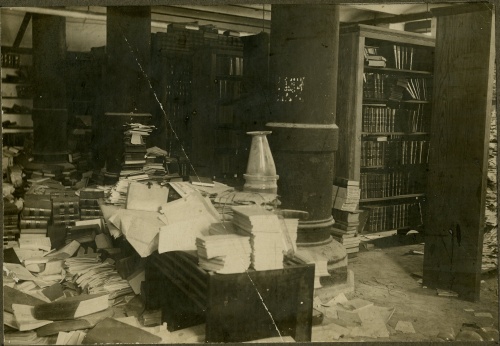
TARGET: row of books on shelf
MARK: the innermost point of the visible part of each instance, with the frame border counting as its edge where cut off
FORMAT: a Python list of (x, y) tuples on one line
[(396, 56), (386, 119), (380, 185), (229, 65), (393, 153), (394, 216), (383, 86), (10, 60)]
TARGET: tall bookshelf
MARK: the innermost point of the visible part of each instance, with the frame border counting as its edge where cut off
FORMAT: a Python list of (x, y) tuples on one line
[(384, 110), (217, 133), (17, 95)]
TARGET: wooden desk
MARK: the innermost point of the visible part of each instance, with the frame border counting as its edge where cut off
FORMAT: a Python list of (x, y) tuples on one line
[(234, 307)]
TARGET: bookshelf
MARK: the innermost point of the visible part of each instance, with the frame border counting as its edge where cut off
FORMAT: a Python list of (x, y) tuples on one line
[(17, 95), (384, 113)]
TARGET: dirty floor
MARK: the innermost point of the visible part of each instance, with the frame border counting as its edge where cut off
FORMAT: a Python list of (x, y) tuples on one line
[(388, 275)]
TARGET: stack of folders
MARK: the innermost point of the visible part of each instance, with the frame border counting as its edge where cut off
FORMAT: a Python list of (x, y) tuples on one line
[(224, 253), (265, 233), (88, 272)]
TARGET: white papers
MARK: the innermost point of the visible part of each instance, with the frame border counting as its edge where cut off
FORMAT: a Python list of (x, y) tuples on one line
[(181, 236), (35, 243), (96, 221), (67, 251), (136, 138), (18, 272), (224, 253), (192, 206), (146, 197), (140, 228)]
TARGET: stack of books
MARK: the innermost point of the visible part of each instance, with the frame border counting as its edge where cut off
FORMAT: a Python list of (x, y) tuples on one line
[(345, 213), (65, 210), (10, 222), (224, 253), (134, 154), (372, 57), (35, 216), (89, 203), (346, 194), (265, 233)]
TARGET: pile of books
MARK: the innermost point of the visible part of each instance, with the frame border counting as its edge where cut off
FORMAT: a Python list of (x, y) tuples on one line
[(265, 233), (372, 57), (155, 163), (346, 194), (65, 210), (224, 253), (89, 203), (10, 222), (35, 217), (134, 154)]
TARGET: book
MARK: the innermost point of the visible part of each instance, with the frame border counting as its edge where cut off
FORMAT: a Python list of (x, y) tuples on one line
[(201, 181), (72, 307)]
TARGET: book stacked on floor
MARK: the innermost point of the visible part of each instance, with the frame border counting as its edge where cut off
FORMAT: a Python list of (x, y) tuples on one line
[(155, 163), (65, 210), (89, 203), (346, 194), (35, 217), (134, 153), (265, 233), (347, 237), (224, 253), (345, 213), (10, 222)]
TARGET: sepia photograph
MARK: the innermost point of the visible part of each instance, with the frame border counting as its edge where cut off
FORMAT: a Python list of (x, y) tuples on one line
[(179, 172)]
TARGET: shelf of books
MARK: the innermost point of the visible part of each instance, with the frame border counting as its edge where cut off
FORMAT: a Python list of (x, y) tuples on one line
[(17, 95), (387, 91)]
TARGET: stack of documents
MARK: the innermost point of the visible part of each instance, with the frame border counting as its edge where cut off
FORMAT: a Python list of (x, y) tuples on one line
[(224, 253), (264, 229)]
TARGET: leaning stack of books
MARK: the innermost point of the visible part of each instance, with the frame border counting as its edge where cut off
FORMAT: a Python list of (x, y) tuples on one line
[(346, 195), (134, 154)]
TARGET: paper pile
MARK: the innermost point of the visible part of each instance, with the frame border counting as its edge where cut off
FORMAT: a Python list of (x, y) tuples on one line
[(264, 229), (224, 253)]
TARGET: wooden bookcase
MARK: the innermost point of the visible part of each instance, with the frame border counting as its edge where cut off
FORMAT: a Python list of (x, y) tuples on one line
[(383, 114), (17, 98), (216, 132), (197, 77)]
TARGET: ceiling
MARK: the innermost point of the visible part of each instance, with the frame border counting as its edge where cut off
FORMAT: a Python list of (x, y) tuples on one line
[(88, 21)]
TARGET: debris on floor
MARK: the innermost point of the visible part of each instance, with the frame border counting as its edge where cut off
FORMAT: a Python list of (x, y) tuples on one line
[(352, 318), (405, 327)]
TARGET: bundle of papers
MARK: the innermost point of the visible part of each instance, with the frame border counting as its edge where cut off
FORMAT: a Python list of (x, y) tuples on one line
[(224, 253), (88, 272), (264, 229)]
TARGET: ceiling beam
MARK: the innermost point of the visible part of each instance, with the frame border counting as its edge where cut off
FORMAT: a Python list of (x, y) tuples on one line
[(22, 30), (398, 19)]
